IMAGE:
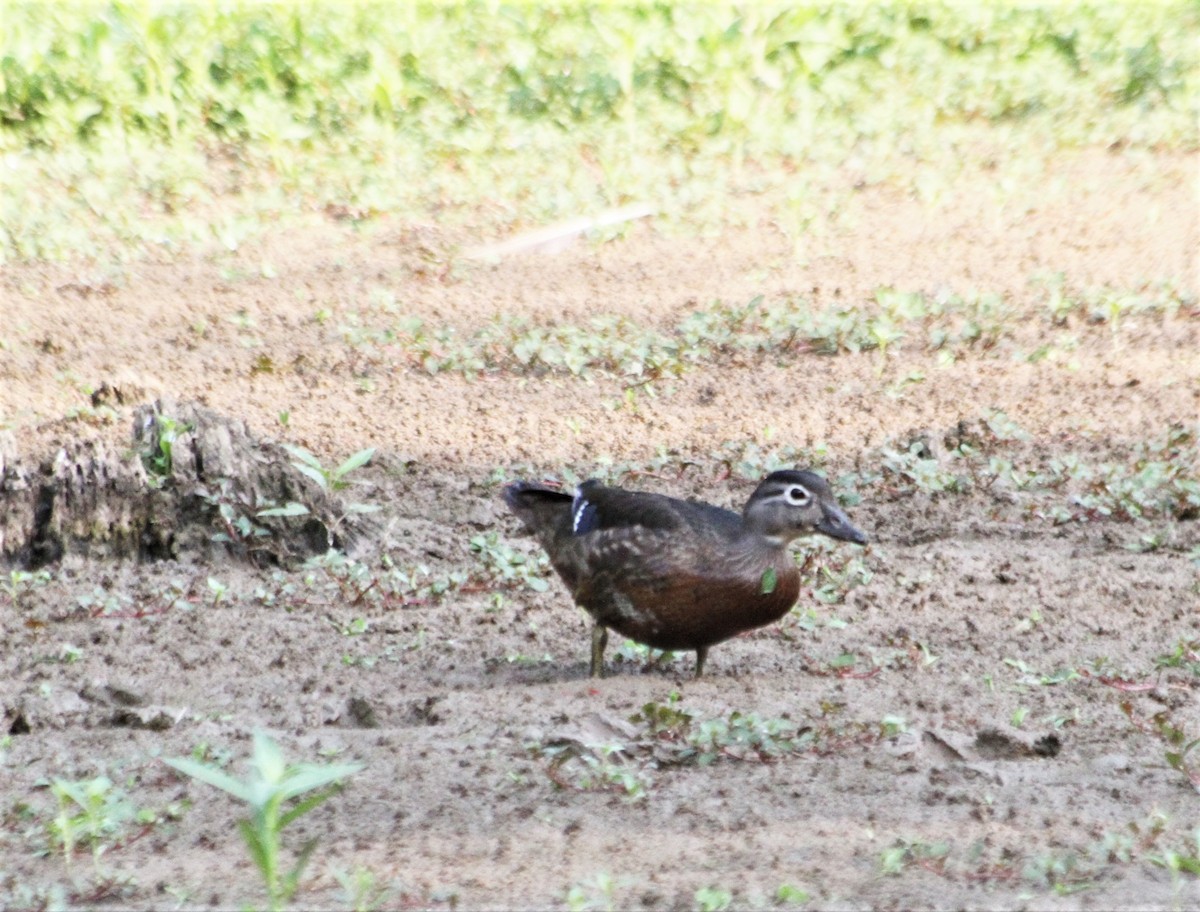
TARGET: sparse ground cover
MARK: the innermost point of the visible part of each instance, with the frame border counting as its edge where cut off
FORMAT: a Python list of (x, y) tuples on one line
[(947, 255)]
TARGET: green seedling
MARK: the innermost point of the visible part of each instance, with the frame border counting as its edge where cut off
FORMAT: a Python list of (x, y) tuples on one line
[(894, 859), (790, 895), (713, 899), (20, 582), (91, 813), (361, 889), (1186, 656), (160, 459), (277, 793), (236, 512), (893, 725), (598, 894), (508, 566), (643, 655), (1180, 862), (218, 590), (1180, 758), (744, 735), (329, 479)]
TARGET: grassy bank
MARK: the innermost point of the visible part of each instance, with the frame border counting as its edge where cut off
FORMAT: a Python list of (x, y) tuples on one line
[(132, 125)]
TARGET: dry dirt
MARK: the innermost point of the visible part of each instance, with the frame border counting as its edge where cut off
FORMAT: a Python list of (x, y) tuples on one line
[(971, 599)]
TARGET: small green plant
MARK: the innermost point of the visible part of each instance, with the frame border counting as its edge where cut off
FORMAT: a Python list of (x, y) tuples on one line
[(218, 590), (236, 513), (159, 459), (361, 889), (384, 585), (746, 736), (646, 656), (597, 894), (328, 479), (790, 895), (678, 737), (894, 859), (92, 813), (1180, 746), (713, 899), (1186, 656), (1065, 873), (915, 468), (1180, 862), (892, 725), (606, 768), (1180, 759), (831, 573), (508, 566), (277, 793), (20, 582)]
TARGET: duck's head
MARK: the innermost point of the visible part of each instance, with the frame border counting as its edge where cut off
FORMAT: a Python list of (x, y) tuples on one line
[(788, 504)]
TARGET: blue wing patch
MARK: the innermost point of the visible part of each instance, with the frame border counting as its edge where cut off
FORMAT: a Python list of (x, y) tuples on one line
[(584, 516)]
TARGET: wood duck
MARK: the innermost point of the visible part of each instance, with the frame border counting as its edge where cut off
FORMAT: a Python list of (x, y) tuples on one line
[(679, 574)]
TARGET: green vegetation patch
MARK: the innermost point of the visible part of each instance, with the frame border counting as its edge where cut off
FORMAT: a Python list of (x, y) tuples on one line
[(121, 122), (723, 333)]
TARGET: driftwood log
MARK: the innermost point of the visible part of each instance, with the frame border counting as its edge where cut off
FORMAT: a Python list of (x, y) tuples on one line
[(192, 485)]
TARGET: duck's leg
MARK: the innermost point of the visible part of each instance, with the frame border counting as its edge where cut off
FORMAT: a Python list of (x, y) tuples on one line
[(701, 655), (599, 643)]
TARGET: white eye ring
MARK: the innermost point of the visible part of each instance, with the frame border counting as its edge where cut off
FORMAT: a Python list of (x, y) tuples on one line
[(798, 496)]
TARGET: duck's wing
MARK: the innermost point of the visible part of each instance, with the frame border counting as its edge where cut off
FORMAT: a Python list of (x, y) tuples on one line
[(582, 533), (596, 508)]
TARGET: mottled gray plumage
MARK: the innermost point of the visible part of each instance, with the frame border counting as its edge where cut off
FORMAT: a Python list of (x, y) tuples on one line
[(679, 574)]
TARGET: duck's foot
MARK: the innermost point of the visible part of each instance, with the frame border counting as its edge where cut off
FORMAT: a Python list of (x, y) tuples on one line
[(599, 643)]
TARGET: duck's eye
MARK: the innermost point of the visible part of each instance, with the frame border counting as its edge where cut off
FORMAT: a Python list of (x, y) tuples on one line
[(798, 496)]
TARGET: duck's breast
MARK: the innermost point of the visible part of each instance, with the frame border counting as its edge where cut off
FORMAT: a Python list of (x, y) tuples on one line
[(673, 594)]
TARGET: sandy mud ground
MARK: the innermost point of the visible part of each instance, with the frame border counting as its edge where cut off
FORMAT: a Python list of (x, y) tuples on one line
[(974, 711)]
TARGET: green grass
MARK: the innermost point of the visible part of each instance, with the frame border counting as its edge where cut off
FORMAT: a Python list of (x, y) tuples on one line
[(135, 126), (947, 325)]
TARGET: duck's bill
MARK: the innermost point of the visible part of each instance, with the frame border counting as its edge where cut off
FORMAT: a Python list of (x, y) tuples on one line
[(836, 525)]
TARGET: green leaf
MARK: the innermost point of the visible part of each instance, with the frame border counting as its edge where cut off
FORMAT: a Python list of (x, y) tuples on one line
[(210, 775), (76, 791), (258, 850), (790, 894), (307, 805), (291, 508), (306, 777), (304, 456), (1189, 863), (1062, 676), (357, 461), (268, 759), (292, 880), (770, 579), (315, 474)]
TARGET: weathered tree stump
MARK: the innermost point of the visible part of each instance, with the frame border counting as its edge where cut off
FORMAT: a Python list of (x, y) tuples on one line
[(193, 485)]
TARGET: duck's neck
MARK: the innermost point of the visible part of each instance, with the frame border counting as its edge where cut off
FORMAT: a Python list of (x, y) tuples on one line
[(756, 550)]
